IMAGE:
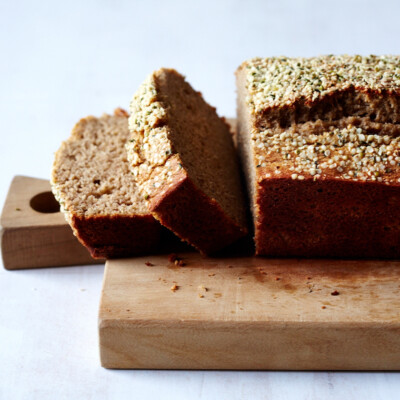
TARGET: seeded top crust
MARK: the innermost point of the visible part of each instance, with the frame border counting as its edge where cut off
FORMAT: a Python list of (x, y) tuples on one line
[(91, 176), (325, 117), (278, 81)]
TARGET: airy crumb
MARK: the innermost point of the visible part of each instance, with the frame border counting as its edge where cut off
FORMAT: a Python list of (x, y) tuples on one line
[(211, 274), (201, 295)]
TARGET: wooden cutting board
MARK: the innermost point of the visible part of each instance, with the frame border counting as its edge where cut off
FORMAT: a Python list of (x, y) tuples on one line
[(34, 232), (219, 313), (250, 313)]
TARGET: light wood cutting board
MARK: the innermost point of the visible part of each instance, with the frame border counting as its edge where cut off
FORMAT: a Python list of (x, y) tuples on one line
[(34, 233), (250, 313), (237, 313)]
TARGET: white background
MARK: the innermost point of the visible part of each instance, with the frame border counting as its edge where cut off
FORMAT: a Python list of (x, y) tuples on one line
[(60, 61)]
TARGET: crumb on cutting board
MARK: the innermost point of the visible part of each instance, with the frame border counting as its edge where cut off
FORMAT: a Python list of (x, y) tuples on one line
[(202, 290), (174, 287), (174, 258)]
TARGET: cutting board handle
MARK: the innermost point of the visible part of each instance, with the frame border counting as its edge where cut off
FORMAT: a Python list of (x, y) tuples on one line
[(34, 233)]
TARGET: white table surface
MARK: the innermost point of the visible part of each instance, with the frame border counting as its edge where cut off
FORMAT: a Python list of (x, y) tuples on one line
[(60, 61)]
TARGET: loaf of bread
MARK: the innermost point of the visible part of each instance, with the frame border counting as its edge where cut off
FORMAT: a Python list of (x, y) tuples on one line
[(184, 162), (319, 140), (96, 191)]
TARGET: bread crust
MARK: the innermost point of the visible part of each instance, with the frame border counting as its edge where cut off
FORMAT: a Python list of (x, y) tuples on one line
[(327, 218), (200, 221), (117, 235)]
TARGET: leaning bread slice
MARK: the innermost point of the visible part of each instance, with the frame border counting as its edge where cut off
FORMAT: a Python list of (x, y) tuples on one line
[(319, 139), (92, 182), (184, 161)]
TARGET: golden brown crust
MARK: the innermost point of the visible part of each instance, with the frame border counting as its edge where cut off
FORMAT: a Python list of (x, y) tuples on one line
[(117, 236), (327, 218), (200, 222)]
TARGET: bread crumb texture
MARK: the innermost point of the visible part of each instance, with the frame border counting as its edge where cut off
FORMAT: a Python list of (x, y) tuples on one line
[(149, 148), (91, 175)]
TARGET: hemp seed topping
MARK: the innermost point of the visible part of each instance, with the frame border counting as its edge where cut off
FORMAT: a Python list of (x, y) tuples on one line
[(149, 150), (348, 153), (281, 81)]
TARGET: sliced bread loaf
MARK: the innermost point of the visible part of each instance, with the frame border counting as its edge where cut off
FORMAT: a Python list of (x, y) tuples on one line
[(319, 140), (92, 182), (184, 162)]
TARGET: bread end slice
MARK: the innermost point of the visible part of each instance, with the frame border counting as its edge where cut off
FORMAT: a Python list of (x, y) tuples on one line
[(92, 182), (184, 162)]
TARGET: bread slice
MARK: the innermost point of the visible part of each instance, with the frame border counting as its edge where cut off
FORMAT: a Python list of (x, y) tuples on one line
[(97, 193), (185, 164), (319, 140)]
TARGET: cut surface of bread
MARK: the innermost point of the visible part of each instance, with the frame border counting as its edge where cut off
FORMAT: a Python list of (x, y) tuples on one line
[(93, 184), (319, 140), (184, 161)]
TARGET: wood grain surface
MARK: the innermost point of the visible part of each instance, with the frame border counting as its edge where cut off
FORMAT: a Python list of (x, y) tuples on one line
[(250, 313), (34, 231)]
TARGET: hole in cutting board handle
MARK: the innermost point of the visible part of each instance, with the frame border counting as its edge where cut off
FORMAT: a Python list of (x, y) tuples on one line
[(45, 203)]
